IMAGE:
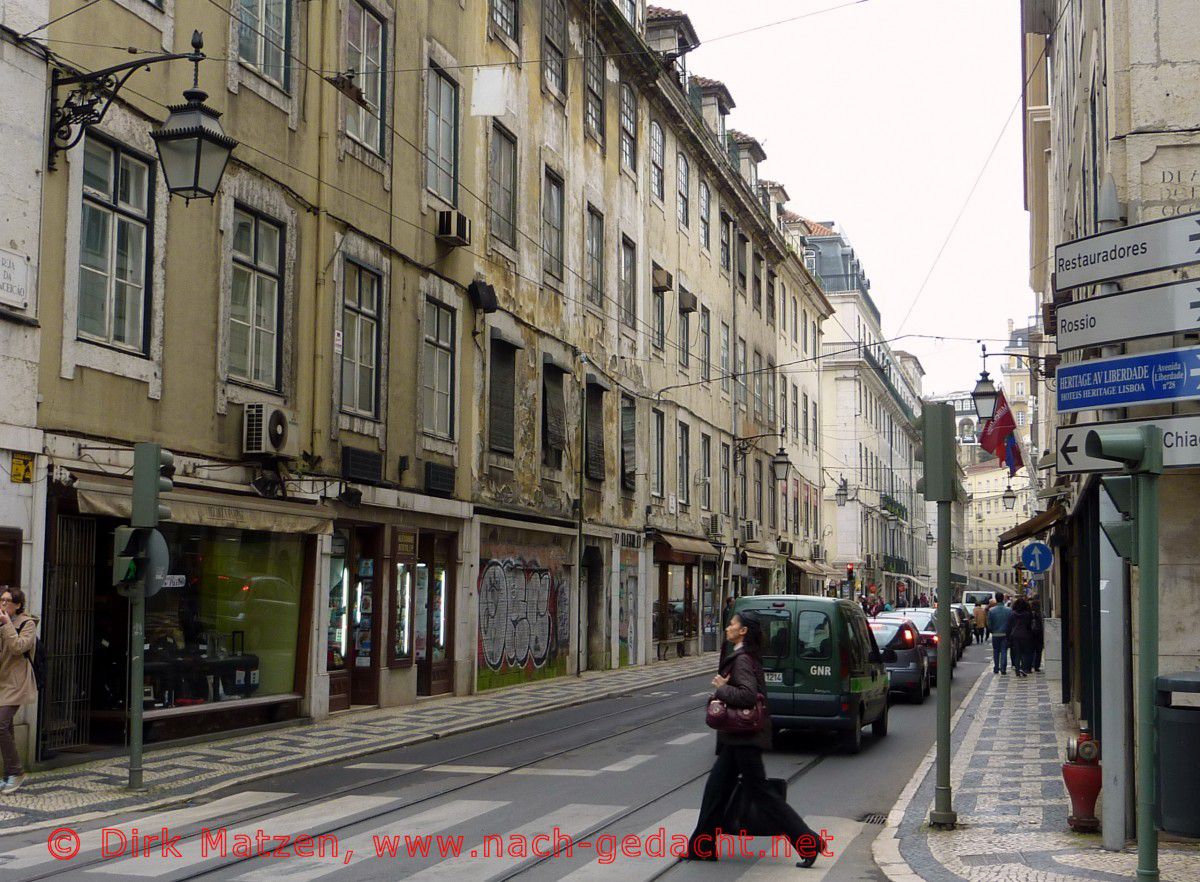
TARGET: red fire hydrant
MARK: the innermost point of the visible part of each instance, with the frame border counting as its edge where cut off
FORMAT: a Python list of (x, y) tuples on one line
[(1081, 773)]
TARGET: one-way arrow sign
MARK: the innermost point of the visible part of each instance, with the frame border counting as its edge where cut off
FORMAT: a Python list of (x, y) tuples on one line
[(1181, 444), (1142, 248), (1130, 315)]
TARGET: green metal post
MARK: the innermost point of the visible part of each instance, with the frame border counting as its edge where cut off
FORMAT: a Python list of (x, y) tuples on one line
[(943, 814), (1147, 753), (137, 643)]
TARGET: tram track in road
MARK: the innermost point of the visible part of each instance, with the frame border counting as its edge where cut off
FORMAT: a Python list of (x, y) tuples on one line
[(375, 782)]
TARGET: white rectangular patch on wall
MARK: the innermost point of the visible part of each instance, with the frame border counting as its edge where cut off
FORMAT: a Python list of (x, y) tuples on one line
[(489, 97), (14, 279)]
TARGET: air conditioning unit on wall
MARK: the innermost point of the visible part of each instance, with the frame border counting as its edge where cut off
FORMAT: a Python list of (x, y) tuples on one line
[(750, 532), (454, 228), (269, 430), (714, 526), (786, 548)]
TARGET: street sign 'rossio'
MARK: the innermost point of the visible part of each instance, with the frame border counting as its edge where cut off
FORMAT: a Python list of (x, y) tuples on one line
[(1128, 251), (1130, 315)]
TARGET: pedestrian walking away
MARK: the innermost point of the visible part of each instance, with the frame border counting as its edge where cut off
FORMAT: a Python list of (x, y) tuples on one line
[(739, 682), (1020, 634), (980, 622), (18, 685), (1038, 625), (997, 624), (727, 612)]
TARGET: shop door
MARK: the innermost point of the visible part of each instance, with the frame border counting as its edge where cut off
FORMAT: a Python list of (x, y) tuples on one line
[(434, 614), (67, 629), (351, 658), (598, 653)]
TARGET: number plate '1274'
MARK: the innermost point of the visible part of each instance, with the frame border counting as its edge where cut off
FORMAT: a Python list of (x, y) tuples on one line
[(774, 676)]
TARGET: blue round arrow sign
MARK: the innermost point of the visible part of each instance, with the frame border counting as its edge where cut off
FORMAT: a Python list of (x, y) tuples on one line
[(1037, 557)]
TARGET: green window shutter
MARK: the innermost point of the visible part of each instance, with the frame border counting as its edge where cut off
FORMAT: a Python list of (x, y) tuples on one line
[(501, 401)]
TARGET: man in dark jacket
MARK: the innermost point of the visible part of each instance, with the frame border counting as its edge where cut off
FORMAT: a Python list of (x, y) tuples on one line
[(1020, 632), (997, 624)]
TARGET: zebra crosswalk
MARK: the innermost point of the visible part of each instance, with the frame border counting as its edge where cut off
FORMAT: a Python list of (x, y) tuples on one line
[(380, 838)]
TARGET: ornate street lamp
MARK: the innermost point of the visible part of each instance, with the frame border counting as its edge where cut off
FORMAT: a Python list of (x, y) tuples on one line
[(192, 148), (780, 465), (985, 394), (841, 494), (1009, 497)]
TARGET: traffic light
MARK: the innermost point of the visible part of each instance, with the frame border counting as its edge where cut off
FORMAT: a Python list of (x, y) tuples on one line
[(140, 560), (936, 452), (1122, 533), (849, 572), (127, 554), (1138, 447), (153, 469)]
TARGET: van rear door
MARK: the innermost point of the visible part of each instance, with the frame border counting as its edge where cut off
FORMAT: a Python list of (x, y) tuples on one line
[(777, 656), (817, 677)]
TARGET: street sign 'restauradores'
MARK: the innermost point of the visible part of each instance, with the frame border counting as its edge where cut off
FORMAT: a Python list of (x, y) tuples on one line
[(1142, 248), (1173, 375), (1130, 315)]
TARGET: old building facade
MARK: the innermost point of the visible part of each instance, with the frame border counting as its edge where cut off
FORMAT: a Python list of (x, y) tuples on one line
[(475, 369)]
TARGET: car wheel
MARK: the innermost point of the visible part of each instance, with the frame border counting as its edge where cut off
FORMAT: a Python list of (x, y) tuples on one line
[(925, 687), (880, 726), (853, 742), (918, 694)]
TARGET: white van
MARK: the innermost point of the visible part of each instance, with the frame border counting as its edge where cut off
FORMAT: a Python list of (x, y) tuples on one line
[(970, 598)]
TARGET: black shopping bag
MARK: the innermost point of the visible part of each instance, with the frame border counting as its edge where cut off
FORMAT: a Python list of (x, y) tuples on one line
[(744, 813)]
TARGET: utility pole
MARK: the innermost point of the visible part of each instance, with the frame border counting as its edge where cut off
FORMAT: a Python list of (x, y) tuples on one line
[(940, 484), (1135, 536)]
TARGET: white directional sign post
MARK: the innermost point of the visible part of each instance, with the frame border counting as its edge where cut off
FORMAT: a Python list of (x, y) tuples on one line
[(1128, 251), (1130, 315), (1181, 444)]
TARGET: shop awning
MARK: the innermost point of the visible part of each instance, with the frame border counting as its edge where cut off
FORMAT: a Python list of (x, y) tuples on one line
[(1039, 523), (760, 561), (110, 496), (827, 571), (805, 566), (688, 544)]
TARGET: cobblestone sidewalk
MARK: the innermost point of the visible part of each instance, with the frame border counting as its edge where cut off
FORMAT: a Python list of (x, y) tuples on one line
[(1009, 744), (97, 788)]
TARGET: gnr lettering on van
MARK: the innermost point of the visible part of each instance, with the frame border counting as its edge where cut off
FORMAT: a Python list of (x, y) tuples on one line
[(821, 670)]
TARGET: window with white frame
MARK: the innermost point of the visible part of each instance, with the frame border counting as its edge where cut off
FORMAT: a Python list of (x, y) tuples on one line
[(594, 265), (554, 44), (806, 428), (656, 456), (726, 247), (683, 180), (114, 250), (437, 379), (739, 369), (705, 344), (796, 412), (255, 320), (725, 378), (705, 472), (502, 172), (593, 84), (504, 17), (659, 318), (795, 322), (441, 135), (263, 37), (365, 48), (629, 117), (758, 490), (683, 471), (725, 486), (360, 339), (685, 338), (758, 383), (629, 10), (705, 215), (658, 160), (628, 282), (770, 394), (552, 224)]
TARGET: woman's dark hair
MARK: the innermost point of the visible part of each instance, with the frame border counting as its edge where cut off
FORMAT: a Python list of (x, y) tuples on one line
[(18, 597), (753, 641), (1020, 605)]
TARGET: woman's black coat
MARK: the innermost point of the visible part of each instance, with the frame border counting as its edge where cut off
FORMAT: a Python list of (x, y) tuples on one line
[(746, 683)]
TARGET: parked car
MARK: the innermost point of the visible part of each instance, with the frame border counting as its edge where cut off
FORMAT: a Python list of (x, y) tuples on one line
[(965, 631), (823, 668), (925, 620), (903, 656)]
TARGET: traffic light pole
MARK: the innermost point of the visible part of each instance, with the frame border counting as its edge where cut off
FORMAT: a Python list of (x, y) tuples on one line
[(1147, 762), (943, 814), (137, 644)]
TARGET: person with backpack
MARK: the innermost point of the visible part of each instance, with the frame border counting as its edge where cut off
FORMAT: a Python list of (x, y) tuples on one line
[(739, 684), (18, 681)]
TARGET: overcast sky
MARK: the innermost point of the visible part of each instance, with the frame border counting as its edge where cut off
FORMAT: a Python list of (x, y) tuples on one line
[(879, 116)]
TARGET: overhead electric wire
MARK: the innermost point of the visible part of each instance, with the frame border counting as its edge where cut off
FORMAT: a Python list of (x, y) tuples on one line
[(42, 27)]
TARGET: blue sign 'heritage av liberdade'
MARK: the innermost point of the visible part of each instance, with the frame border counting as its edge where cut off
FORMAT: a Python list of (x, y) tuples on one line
[(1126, 380)]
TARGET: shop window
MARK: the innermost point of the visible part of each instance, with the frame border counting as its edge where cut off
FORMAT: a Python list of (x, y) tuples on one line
[(230, 630), (400, 616)]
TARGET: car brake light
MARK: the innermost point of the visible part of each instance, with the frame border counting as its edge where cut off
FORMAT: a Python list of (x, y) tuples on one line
[(935, 639), (908, 637)]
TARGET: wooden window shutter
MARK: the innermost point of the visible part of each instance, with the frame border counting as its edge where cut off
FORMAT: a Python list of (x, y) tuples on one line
[(502, 397), (554, 414), (628, 444), (595, 432)]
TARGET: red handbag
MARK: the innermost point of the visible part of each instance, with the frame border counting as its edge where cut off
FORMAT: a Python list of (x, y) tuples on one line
[(736, 720)]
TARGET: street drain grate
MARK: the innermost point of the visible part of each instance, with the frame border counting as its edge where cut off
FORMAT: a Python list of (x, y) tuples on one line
[(873, 818)]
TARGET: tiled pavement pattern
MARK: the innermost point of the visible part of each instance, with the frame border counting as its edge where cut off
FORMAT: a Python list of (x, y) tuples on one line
[(1009, 745), (97, 788)]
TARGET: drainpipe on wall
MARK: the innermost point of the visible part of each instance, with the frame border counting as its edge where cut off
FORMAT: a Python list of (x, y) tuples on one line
[(579, 516), (733, 425)]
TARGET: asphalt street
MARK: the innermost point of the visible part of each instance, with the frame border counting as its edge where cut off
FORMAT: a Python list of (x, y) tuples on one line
[(634, 764)]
